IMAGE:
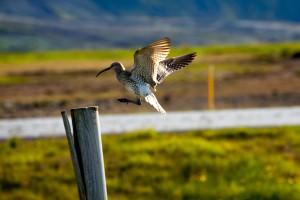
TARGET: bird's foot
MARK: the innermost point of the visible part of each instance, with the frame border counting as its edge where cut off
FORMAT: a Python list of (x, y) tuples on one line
[(123, 100)]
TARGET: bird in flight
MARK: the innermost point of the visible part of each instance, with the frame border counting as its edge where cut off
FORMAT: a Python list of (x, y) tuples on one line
[(150, 68)]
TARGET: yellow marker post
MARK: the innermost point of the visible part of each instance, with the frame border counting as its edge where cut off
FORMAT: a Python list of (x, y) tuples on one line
[(210, 80)]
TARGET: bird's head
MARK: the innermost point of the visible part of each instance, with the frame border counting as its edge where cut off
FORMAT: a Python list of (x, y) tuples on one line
[(117, 66)]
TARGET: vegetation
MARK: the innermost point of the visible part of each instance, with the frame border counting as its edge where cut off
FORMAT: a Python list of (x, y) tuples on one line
[(31, 57), (224, 164), (275, 50)]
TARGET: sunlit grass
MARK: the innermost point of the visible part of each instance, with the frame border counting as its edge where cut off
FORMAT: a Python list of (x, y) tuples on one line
[(29, 57), (276, 50), (12, 80), (225, 164)]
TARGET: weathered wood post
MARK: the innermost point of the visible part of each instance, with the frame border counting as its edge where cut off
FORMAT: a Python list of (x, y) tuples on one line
[(86, 152)]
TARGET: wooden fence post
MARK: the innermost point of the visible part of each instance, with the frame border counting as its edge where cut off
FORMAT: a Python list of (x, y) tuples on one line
[(86, 152), (211, 87)]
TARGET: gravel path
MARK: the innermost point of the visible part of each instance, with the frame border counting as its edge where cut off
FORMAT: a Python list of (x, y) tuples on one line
[(171, 122)]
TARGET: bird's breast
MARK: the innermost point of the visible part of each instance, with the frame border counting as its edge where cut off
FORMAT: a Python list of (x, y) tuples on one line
[(136, 86)]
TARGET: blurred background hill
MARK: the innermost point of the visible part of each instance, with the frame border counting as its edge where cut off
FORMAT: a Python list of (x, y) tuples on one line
[(97, 24)]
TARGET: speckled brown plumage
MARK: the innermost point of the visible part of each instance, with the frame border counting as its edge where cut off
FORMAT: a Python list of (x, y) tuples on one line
[(149, 69)]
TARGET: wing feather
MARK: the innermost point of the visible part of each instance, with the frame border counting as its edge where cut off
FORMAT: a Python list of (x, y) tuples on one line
[(168, 66), (147, 59)]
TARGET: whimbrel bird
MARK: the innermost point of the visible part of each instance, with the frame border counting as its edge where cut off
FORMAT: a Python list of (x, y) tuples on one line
[(149, 69)]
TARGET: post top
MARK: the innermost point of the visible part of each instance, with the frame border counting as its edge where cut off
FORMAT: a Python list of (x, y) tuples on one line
[(93, 108)]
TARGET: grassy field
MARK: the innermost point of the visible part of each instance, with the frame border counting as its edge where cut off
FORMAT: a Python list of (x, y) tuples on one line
[(277, 50), (241, 164)]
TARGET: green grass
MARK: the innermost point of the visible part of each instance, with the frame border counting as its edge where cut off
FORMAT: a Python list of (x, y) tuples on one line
[(30, 57), (273, 49), (226, 164), (267, 51), (12, 80)]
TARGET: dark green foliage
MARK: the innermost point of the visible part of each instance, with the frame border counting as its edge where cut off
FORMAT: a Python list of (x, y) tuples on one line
[(242, 164)]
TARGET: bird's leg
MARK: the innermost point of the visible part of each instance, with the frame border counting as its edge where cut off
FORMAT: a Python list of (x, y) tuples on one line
[(123, 100), (137, 101)]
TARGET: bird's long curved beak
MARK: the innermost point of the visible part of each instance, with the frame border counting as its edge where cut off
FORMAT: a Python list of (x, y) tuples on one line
[(103, 71)]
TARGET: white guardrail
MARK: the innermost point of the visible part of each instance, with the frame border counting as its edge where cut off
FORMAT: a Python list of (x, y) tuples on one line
[(171, 122)]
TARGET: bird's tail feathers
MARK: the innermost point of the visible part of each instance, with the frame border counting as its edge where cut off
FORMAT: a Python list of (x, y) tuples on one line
[(151, 99)]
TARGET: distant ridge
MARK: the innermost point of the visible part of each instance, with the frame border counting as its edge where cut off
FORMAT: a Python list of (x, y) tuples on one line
[(91, 24)]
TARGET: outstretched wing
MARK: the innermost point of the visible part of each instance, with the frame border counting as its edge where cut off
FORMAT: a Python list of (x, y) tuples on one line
[(167, 67), (147, 59)]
